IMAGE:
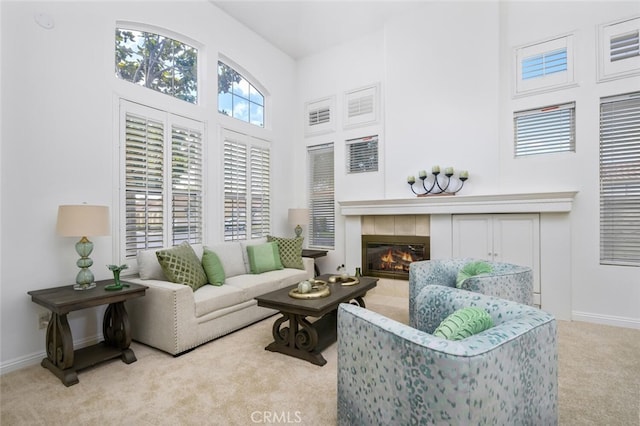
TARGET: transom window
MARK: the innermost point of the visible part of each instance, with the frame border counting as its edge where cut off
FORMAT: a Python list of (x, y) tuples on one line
[(238, 98), (157, 62)]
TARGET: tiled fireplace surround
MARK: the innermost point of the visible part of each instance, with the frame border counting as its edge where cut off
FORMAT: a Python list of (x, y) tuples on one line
[(433, 216)]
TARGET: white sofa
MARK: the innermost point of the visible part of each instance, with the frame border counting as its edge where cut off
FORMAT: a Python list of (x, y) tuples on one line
[(174, 318)]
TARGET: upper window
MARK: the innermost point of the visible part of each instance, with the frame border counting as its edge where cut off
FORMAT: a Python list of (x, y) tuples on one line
[(238, 98), (545, 130), (163, 179), (362, 155), (619, 49), (547, 65), (620, 180), (159, 63)]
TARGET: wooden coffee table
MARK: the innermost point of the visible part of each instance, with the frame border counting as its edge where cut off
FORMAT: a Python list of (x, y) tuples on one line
[(304, 339)]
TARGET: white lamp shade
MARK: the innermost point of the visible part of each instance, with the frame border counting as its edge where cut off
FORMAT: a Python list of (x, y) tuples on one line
[(298, 216), (82, 221)]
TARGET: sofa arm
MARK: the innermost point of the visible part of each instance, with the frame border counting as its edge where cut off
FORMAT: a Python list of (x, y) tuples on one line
[(164, 313)]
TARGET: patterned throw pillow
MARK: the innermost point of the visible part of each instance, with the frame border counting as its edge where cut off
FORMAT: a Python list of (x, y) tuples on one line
[(290, 251), (213, 267), (264, 257), (472, 269), (463, 323), (181, 265)]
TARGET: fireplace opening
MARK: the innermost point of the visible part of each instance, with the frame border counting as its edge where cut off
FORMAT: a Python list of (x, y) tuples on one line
[(389, 256)]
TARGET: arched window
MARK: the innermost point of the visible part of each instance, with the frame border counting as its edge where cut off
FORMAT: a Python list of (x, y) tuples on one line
[(157, 62), (238, 98)]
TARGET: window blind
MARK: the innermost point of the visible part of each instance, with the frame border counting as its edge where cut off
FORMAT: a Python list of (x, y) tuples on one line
[(620, 180), (624, 46), (544, 64), (545, 130), (235, 190), (186, 185), (144, 184), (260, 192), (321, 196), (247, 187), (362, 154)]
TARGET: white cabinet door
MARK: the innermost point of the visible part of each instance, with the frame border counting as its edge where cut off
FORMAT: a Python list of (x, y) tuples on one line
[(510, 238)]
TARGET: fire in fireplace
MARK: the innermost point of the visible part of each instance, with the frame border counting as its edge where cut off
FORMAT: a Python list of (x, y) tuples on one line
[(389, 256)]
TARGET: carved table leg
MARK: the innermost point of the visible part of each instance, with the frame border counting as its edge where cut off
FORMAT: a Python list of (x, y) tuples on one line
[(299, 339), (59, 345), (116, 330)]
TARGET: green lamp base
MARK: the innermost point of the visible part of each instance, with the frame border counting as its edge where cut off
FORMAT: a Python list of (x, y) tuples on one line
[(115, 287)]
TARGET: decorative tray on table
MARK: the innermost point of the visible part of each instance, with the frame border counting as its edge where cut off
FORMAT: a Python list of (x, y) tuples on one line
[(334, 279), (318, 289)]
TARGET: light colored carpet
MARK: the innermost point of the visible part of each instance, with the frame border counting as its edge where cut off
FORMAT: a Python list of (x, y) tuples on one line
[(234, 381)]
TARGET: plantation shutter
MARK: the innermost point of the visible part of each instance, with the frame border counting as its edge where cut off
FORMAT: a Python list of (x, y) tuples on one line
[(260, 192), (545, 130), (235, 190), (144, 184), (321, 196), (186, 185), (620, 180), (624, 46), (362, 155)]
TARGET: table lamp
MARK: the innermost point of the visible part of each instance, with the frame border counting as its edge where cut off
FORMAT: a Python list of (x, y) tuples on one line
[(298, 217), (83, 221)]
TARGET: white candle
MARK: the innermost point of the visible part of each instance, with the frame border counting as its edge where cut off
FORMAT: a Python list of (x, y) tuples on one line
[(423, 174), (435, 169), (464, 174), (448, 171), (411, 179)]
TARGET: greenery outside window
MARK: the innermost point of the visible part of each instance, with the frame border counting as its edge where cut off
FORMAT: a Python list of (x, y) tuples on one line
[(238, 98), (157, 62)]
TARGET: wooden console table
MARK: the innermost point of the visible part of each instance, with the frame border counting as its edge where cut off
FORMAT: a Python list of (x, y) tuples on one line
[(61, 358), (314, 254)]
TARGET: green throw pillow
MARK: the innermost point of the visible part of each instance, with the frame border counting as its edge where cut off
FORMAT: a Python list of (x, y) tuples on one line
[(264, 257), (463, 323), (290, 251), (181, 265), (213, 267), (472, 269)]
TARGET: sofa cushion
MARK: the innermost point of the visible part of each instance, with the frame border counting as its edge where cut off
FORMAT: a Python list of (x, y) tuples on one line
[(264, 257), (211, 298), (148, 266), (246, 243), (258, 284), (230, 255), (181, 265), (213, 267), (290, 251), (463, 323)]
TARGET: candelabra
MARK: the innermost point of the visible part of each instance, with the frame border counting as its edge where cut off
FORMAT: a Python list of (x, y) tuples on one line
[(439, 185)]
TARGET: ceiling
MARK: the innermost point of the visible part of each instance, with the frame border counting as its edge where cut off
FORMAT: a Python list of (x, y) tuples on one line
[(302, 28)]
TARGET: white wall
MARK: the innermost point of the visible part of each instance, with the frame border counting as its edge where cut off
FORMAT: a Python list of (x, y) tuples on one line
[(59, 139), (607, 294), (446, 72)]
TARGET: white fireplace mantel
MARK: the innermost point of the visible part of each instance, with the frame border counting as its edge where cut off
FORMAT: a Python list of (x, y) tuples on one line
[(555, 231), (542, 202)]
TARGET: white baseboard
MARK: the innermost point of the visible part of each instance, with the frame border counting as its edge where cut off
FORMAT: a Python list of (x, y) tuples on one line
[(606, 319), (37, 357)]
